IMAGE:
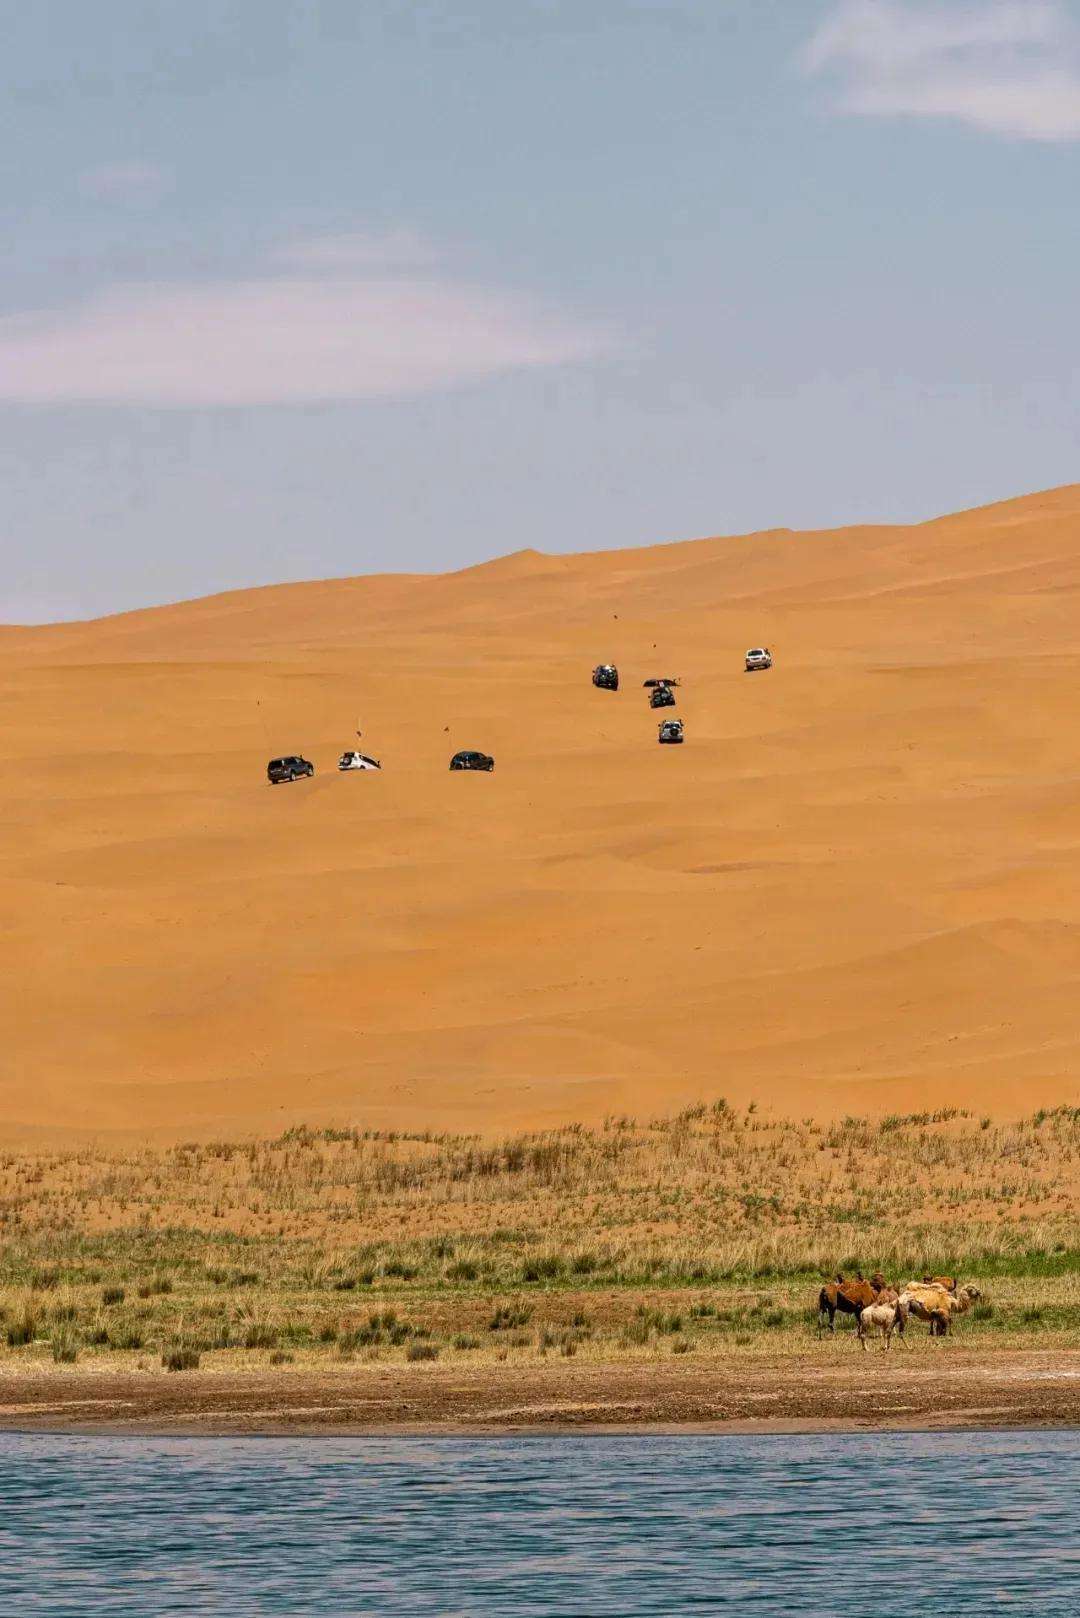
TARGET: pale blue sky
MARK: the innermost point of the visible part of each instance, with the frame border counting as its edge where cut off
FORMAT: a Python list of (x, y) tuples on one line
[(295, 288)]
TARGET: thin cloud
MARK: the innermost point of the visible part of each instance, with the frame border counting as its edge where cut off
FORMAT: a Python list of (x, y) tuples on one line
[(124, 182), (1007, 67), (279, 340), (358, 250)]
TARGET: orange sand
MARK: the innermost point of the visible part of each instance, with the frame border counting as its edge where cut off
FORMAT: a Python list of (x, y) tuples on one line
[(856, 887)]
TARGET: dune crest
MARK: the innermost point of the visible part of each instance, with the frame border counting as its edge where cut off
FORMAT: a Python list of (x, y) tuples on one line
[(856, 887)]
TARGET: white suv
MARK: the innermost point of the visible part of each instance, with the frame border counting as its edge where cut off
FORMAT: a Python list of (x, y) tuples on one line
[(358, 761), (758, 657)]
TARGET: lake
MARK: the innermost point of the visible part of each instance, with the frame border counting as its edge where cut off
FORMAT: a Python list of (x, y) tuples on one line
[(626, 1524)]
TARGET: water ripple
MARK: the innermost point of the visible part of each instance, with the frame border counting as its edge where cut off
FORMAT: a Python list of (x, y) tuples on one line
[(564, 1527)]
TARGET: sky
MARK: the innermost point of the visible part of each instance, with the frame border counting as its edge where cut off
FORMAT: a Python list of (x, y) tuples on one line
[(306, 288)]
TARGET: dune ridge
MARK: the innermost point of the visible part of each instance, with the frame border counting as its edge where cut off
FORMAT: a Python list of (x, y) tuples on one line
[(856, 888)]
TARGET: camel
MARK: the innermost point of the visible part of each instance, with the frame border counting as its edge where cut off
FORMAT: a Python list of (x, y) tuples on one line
[(885, 1317), (847, 1298), (937, 1305)]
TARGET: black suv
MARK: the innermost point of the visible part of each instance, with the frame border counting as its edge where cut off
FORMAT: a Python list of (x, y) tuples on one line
[(287, 769), (661, 696), (471, 761), (606, 676)]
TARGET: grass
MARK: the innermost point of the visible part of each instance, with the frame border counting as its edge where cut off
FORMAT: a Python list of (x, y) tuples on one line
[(64, 1345), (180, 1357), (706, 1232)]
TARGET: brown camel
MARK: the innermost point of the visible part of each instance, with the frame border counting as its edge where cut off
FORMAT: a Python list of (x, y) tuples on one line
[(848, 1297)]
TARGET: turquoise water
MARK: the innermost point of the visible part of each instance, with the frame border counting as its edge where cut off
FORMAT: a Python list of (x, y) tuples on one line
[(577, 1526)]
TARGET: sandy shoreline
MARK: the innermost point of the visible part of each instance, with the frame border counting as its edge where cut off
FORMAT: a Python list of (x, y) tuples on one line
[(1020, 1389)]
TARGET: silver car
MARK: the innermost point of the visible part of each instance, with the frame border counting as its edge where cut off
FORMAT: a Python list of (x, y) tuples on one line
[(357, 761)]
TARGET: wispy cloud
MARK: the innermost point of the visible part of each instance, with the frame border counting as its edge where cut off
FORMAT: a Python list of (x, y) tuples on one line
[(1008, 67), (341, 325), (361, 250), (124, 182)]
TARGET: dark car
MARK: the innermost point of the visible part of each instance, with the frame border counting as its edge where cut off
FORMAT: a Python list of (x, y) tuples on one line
[(661, 680), (468, 760), (671, 730), (288, 769), (606, 676), (661, 696)]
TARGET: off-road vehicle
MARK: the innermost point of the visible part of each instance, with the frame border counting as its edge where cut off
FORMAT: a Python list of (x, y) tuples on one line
[(468, 760), (661, 696), (671, 730), (606, 676), (353, 760), (758, 657), (289, 768)]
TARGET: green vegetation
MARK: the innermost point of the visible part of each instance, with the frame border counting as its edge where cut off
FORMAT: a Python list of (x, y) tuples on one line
[(711, 1230)]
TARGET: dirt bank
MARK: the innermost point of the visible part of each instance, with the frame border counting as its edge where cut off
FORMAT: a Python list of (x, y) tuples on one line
[(961, 1389)]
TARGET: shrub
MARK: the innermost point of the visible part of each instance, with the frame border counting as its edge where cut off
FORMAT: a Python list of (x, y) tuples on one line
[(635, 1333), (111, 1295), (279, 1357), (547, 1267), (461, 1341), (421, 1351), (65, 1346), (585, 1263), (178, 1357), (681, 1346), (157, 1288), (258, 1334), (508, 1317), (463, 1269), (22, 1328), (127, 1337)]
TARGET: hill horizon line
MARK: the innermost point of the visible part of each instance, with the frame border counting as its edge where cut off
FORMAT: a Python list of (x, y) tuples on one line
[(525, 558)]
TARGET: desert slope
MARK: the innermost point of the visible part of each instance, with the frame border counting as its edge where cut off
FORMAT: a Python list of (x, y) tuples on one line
[(856, 887)]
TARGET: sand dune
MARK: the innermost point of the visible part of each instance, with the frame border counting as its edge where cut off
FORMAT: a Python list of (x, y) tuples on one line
[(856, 887)]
